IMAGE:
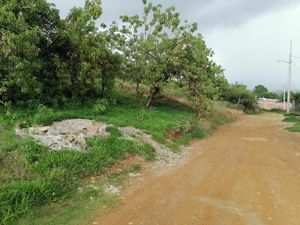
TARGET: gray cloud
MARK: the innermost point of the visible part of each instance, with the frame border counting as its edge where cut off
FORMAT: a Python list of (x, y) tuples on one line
[(248, 36), (210, 14), (221, 13)]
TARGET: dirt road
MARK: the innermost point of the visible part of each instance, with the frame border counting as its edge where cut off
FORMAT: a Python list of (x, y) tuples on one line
[(247, 173)]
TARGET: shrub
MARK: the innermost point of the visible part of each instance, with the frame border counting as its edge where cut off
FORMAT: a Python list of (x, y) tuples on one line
[(100, 106), (240, 95)]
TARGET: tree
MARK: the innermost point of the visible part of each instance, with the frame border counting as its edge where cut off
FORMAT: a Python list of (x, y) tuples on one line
[(86, 63), (260, 91), (25, 31), (272, 95), (240, 95), (158, 48), (49, 60)]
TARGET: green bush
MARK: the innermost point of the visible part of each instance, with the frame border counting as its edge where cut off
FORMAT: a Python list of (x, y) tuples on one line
[(100, 106), (199, 132), (239, 94)]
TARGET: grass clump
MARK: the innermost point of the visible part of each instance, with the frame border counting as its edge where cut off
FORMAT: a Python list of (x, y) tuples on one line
[(39, 176), (295, 119)]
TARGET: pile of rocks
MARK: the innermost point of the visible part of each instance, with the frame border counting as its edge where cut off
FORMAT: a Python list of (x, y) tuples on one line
[(70, 134)]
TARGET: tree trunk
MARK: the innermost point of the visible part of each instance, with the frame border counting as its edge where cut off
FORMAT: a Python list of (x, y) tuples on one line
[(137, 89), (239, 100), (153, 92), (102, 90)]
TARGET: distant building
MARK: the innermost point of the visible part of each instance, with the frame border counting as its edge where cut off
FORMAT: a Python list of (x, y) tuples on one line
[(266, 103)]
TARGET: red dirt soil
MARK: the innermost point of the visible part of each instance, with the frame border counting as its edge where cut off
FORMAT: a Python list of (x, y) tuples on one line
[(247, 173)]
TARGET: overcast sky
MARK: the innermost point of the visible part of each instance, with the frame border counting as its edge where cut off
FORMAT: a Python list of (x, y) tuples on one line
[(247, 36)]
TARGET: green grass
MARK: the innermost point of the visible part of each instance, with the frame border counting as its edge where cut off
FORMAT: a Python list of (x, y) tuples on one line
[(280, 111), (294, 128), (82, 205), (32, 177), (292, 118), (128, 112), (39, 187)]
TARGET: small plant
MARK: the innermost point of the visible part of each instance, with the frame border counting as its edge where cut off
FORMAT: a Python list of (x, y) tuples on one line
[(44, 115), (101, 106), (24, 124), (199, 132), (136, 167)]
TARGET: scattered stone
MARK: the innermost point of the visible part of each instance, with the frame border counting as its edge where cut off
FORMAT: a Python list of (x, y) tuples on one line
[(20, 133), (111, 189), (56, 142), (72, 134), (80, 140), (164, 155), (69, 138), (44, 130), (134, 174), (95, 187), (66, 134)]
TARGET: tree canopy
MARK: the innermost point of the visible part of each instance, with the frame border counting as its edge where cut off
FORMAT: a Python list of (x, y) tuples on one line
[(159, 48), (239, 94), (49, 60), (260, 91)]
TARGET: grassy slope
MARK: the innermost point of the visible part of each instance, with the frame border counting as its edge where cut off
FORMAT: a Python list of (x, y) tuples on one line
[(31, 176), (43, 185)]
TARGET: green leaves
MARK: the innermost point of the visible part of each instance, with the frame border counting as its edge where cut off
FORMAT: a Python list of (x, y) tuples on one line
[(93, 8), (159, 49), (51, 60)]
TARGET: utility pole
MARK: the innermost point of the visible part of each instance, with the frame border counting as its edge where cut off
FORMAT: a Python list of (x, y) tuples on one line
[(284, 99), (290, 78)]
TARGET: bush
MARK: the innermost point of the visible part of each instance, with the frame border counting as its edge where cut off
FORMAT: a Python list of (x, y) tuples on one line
[(199, 132), (240, 95), (100, 106)]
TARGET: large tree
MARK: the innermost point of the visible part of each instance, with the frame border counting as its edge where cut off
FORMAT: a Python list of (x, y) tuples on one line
[(159, 48), (260, 91), (49, 60), (239, 94), (26, 28)]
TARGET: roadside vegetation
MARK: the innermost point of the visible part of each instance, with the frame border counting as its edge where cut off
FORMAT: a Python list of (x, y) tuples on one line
[(153, 72), (295, 119)]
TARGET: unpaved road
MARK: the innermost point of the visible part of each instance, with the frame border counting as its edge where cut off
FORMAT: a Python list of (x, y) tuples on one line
[(247, 173)]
